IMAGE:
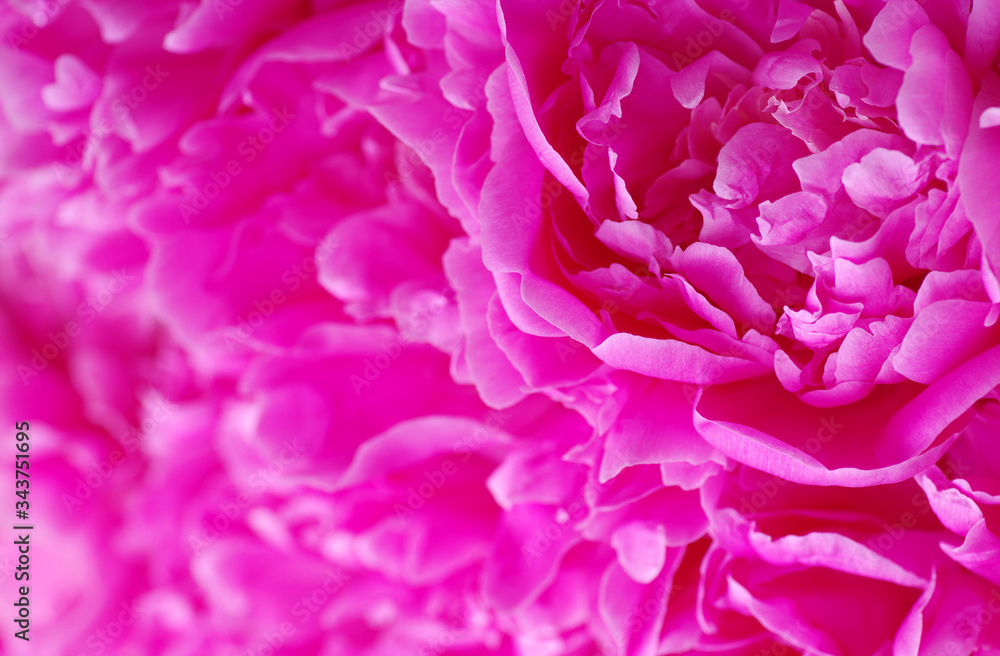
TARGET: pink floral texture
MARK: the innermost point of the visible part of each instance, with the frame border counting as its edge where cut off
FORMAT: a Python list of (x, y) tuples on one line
[(517, 328)]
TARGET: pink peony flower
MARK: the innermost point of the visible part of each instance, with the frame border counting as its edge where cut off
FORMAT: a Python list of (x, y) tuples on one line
[(791, 211)]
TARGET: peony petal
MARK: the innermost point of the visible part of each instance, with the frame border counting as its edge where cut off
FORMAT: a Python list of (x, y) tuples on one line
[(941, 117)]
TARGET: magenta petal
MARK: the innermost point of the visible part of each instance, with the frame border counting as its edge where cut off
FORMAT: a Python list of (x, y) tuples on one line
[(980, 552), (982, 38), (634, 438), (892, 31), (673, 360), (942, 116), (619, 593), (981, 192), (881, 180), (956, 330), (791, 17), (409, 443), (840, 447), (497, 380), (642, 550), (530, 544), (689, 84), (784, 70), (75, 87)]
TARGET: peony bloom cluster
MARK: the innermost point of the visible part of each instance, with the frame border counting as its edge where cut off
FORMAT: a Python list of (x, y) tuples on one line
[(459, 327)]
